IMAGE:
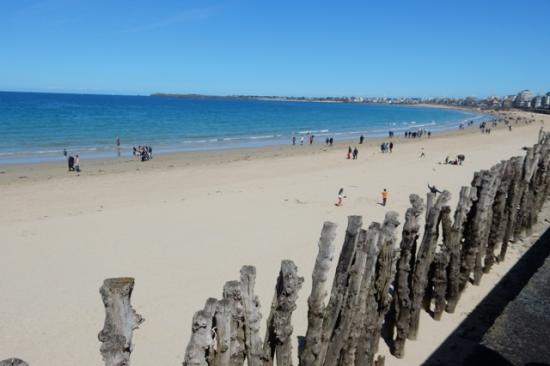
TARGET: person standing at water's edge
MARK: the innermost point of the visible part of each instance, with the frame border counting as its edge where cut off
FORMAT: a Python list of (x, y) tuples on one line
[(384, 197), (293, 140), (77, 163)]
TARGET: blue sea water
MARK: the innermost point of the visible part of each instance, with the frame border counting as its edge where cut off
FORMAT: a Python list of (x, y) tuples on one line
[(38, 126)]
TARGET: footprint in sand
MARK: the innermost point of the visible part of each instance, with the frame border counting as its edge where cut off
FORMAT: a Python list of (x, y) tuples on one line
[(300, 202)]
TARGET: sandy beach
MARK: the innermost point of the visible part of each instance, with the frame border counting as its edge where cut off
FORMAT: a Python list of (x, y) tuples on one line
[(184, 224)]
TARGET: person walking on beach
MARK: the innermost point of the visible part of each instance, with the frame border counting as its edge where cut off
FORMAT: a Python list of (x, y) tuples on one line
[(311, 139), (340, 197), (331, 141), (384, 197), (391, 147), (77, 163), (355, 153), (361, 139), (349, 152), (65, 152), (302, 140), (293, 140)]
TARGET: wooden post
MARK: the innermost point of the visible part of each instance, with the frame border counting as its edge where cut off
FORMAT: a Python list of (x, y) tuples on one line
[(512, 203), (278, 339), (405, 266), (486, 218), (13, 362), (223, 333), (252, 317), (424, 260), (355, 350), (342, 332), (498, 224), (232, 291), (441, 262), (198, 349), (316, 301), (120, 321), (385, 275), (339, 286), (529, 166)]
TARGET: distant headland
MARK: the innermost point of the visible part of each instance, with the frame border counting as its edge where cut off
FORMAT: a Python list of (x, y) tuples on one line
[(525, 100)]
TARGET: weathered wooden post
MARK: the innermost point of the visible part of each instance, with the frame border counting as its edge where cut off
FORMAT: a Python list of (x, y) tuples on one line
[(223, 320), (316, 301), (441, 261), (201, 342), (512, 203), (498, 224), (252, 317), (405, 266), (278, 339), (355, 350), (342, 332), (232, 291), (529, 166), (424, 260), (120, 321), (339, 286), (385, 275), (486, 217), (13, 362)]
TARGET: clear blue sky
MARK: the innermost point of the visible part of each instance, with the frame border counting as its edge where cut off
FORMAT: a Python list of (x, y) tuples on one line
[(276, 47)]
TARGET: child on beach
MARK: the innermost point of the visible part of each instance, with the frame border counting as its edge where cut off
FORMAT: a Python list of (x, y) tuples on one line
[(340, 197), (384, 197)]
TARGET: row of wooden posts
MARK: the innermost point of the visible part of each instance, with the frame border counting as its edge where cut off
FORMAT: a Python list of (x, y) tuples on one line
[(380, 286)]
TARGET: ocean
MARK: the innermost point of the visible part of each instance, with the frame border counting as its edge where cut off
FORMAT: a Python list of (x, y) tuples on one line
[(37, 127)]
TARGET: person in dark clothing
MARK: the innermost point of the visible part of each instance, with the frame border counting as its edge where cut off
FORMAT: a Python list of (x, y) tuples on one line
[(331, 141), (65, 152), (355, 153), (361, 139), (391, 146), (70, 162), (433, 189)]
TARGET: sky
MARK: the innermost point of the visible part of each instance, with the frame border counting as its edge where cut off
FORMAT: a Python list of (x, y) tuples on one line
[(393, 48)]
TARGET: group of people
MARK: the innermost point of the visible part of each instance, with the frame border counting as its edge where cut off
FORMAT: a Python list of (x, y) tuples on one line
[(352, 154), (414, 134), (386, 147), (72, 161), (456, 161), (329, 141), (310, 138), (143, 152)]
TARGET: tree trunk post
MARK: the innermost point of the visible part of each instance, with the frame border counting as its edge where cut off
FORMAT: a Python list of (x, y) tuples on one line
[(252, 317), (232, 291), (198, 351), (120, 321), (424, 260), (339, 286), (316, 301), (278, 339), (13, 362), (405, 266), (467, 197)]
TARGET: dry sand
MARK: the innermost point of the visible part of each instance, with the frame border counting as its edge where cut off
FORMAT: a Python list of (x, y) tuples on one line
[(183, 224)]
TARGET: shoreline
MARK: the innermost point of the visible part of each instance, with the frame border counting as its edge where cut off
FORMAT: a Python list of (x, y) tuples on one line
[(258, 140), (11, 173)]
